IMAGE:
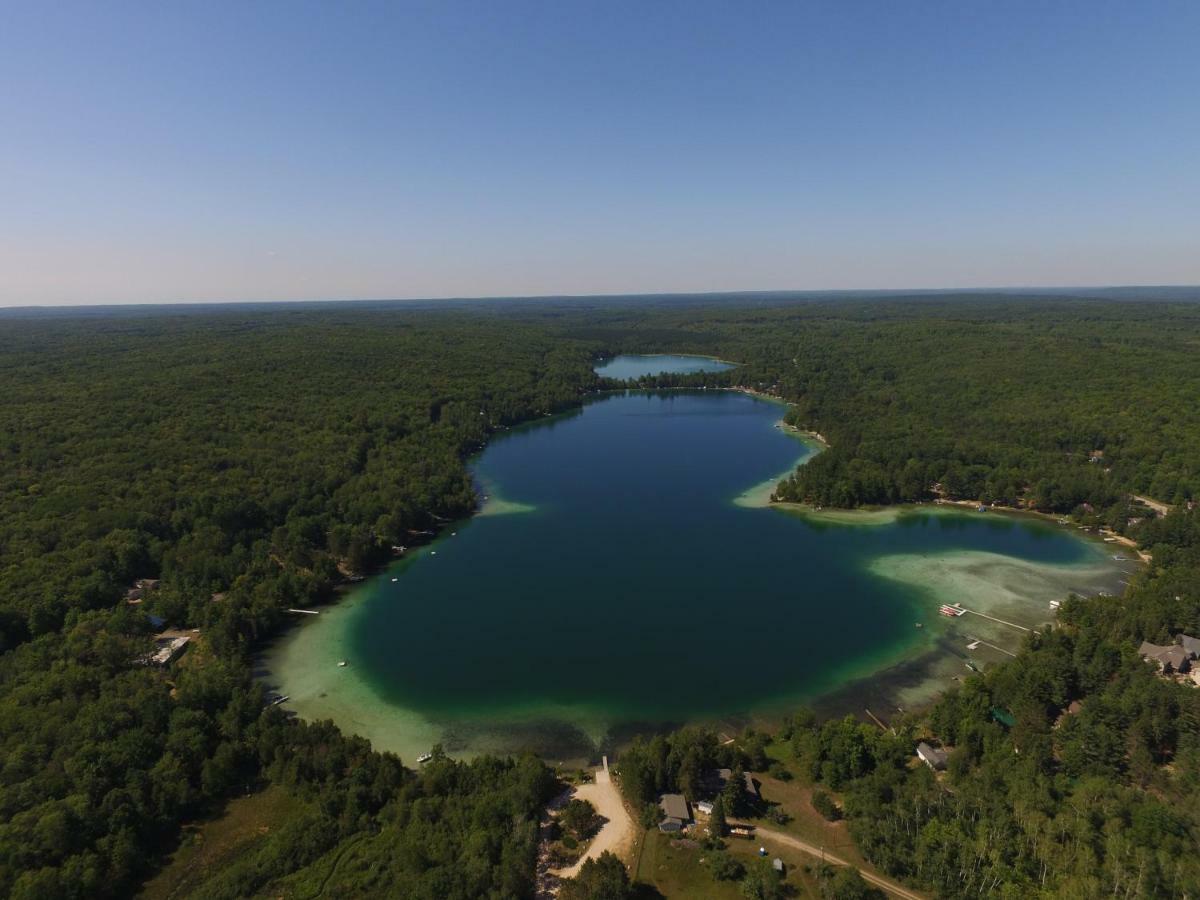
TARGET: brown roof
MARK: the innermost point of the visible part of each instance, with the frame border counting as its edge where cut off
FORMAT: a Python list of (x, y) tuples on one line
[(675, 806), (1172, 655)]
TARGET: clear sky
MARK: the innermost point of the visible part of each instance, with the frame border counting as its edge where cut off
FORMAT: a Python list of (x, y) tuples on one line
[(157, 152)]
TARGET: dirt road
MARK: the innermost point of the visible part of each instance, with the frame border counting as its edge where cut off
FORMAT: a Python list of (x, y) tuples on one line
[(896, 890), (617, 833)]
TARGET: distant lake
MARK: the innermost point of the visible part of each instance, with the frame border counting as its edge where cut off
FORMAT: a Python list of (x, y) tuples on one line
[(631, 366), (615, 581)]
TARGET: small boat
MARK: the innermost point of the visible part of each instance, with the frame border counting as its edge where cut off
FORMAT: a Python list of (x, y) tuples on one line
[(433, 553), (1119, 558), (424, 758), (279, 700), (395, 579), (342, 664), (920, 625)]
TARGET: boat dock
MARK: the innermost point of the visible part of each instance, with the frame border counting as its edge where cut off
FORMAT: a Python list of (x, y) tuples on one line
[(975, 642), (1001, 621)]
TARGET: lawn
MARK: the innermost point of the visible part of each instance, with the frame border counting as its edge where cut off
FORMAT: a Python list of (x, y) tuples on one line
[(679, 872), (795, 797)]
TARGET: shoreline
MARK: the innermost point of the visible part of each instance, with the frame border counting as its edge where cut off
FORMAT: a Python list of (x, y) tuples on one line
[(396, 726)]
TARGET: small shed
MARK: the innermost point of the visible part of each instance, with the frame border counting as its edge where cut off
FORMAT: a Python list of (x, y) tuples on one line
[(777, 865), (934, 757)]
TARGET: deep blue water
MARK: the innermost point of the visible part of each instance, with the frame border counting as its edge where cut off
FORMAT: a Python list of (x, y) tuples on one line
[(636, 589)]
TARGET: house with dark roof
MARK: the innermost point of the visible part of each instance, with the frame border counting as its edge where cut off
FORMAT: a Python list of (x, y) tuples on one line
[(1170, 658), (713, 782), (1190, 644), (676, 814), (934, 757), (751, 787)]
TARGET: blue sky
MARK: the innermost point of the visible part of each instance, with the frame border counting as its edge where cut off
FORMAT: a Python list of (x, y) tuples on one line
[(204, 151)]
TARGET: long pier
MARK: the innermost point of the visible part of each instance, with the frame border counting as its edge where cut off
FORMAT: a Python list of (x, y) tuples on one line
[(875, 719), (1001, 621), (993, 646)]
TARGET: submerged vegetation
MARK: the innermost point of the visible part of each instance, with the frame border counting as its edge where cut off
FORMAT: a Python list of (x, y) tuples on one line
[(252, 460)]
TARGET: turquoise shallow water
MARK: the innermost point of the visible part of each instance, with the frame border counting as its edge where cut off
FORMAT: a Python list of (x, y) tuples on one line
[(631, 588)]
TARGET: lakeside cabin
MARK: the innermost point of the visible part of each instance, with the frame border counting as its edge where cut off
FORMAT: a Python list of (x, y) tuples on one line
[(1172, 658), (676, 814), (714, 780), (168, 647), (934, 757)]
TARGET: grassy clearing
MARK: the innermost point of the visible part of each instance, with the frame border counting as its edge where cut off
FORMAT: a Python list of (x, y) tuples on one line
[(795, 797), (679, 872), (207, 847)]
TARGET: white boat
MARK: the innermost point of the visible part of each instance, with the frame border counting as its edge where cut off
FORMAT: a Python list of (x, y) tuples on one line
[(395, 579), (424, 758), (342, 664)]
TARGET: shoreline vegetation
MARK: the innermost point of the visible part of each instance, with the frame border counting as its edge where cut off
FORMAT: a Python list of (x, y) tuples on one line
[(182, 481)]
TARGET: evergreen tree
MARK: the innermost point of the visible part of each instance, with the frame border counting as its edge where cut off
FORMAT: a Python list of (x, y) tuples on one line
[(716, 822)]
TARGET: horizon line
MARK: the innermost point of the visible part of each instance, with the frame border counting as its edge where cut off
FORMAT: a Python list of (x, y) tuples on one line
[(979, 289)]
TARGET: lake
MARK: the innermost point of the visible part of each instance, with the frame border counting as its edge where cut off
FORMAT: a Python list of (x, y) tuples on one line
[(624, 573), (635, 366)]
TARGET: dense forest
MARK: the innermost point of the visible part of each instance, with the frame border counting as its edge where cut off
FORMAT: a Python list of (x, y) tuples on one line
[(253, 459)]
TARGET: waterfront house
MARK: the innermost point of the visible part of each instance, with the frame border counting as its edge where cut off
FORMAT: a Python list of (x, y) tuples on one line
[(1190, 644), (934, 757), (713, 782), (676, 815), (1170, 658)]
